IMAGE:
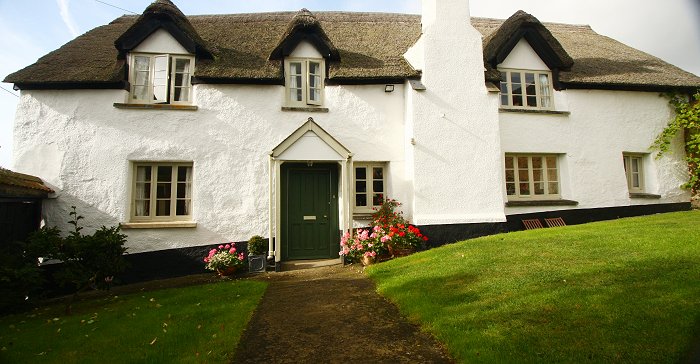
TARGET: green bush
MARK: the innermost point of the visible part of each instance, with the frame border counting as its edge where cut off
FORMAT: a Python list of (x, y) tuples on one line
[(20, 276), (256, 245)]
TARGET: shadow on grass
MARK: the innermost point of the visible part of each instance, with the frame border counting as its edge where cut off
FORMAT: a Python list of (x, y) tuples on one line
[(639, 311)]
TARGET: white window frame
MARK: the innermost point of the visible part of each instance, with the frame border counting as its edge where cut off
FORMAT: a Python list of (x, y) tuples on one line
[(627, 161), (152, 199), (306, 86), (171, 73), (369, 183), (546, 179), (506, 88)]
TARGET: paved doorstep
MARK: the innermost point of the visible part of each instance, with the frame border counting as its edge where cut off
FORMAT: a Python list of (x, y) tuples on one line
[(331, 314)]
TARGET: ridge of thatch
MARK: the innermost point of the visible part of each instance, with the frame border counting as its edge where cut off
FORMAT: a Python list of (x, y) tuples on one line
[(13, 184), (370, 45), (162, 14), (499, 44), (304, 27), (600, 62)]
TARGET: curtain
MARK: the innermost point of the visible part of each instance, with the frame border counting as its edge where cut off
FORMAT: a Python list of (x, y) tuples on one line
[(188, 191), (545, 94), (141, 191)]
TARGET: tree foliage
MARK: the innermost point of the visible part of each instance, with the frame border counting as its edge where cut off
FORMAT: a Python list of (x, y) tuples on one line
[(687, 121)]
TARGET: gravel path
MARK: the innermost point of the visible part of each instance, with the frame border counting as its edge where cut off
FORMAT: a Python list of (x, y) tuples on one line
[(331, 315)]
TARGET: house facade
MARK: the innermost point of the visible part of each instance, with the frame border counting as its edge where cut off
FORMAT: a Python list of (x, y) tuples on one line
[(194, 130)]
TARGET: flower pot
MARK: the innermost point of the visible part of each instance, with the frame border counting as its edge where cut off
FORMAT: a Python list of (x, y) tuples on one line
[(257, 263), (225, 272), (400, 252), (368, 260)]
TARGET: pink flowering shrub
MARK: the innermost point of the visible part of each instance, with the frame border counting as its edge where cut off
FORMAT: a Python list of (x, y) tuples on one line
[(388, 229), (223, 257), (361, 243)]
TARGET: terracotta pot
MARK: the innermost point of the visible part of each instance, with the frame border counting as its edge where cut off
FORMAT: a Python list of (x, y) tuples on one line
[(368, 260), (400, 252), (225, 272)]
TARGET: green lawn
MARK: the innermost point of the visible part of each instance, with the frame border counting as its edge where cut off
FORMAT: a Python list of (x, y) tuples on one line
[(193, 324), (616, 291)]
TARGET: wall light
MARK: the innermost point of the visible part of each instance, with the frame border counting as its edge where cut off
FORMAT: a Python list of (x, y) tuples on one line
[(389, 88)]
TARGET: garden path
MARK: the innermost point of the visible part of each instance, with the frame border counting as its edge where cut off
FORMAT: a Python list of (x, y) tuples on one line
[(331, 315)]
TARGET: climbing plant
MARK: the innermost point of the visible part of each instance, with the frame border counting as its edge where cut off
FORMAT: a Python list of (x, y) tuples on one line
[(687, 121)]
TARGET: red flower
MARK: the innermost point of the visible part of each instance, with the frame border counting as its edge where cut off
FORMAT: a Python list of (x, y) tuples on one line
[(401, 233)]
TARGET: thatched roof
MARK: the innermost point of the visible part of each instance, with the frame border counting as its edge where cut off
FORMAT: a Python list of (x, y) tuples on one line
[(370, 47), (499, 44), (13, 184), (162, 14), (600, 62), (305, 27)]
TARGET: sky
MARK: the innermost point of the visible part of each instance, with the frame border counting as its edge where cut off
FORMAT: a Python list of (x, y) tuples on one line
[(32, 28)]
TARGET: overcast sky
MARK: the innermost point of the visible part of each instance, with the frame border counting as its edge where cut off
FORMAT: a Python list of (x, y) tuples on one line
[(668, 29)]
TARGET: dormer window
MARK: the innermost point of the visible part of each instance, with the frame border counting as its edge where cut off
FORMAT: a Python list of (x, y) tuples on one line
[(526, 89), (304, 81), (160, 78)]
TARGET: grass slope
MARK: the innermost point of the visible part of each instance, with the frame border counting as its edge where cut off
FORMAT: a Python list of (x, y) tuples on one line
[(616, 291), (193, 324)]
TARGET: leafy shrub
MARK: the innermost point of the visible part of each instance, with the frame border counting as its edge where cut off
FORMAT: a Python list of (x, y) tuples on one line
[(256, 245), (20, 276)]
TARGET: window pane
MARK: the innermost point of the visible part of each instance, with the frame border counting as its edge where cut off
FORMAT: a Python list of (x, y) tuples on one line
[(509, 162), (182, 66), (165, 173), (377, 199), (163, 208), (539, 188), (360, 173), (182, 208), (515, 77), (635, 165), (160, 79), (510, 188), (163, 190), (532, 100), (143, 208), (536, 162), (517, 100), (537, 175), (182, 94), (360, 199), (181, 190), (635, 180), (378, 186), (360, 186), (529, 79), (551, 162), (523, 175), (553, 188), (378, 173), (525, 189), (143, 174), (551, 175), (510, 176)]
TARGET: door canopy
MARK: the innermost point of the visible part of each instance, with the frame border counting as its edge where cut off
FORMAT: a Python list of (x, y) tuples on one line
[(310, 143)]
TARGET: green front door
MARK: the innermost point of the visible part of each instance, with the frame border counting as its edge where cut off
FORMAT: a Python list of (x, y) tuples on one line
[(309, 211)]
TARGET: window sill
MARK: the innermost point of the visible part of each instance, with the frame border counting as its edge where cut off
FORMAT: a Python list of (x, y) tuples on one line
[(362, 215), (541, 203), (534, 111), (119, 105), (305, 109), (159, 225), (644, 195)]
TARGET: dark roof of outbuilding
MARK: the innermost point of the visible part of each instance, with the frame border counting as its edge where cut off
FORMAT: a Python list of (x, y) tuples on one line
[(13, 184), (370, 47)]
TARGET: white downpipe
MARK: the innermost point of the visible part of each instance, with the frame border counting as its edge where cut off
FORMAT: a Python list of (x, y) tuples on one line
[(271, 220)]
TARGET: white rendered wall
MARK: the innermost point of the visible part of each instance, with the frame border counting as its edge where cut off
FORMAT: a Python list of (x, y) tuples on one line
[(305, 50), (82, 145), (602, 125), (523, 57), (457, 155), (161, 42)]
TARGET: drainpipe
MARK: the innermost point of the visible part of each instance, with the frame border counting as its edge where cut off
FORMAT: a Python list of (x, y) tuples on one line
[(270, 243)]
